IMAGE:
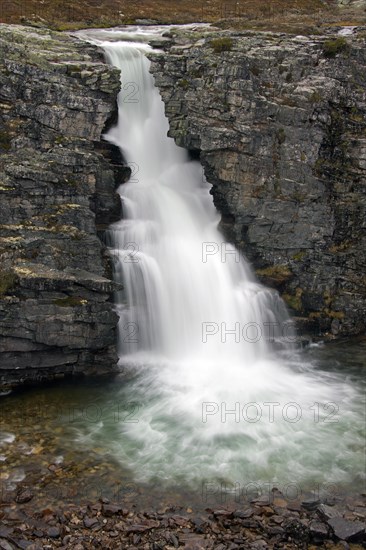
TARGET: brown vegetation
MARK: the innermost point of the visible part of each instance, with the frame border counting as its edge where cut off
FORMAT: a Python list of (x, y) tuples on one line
[(282, 15)]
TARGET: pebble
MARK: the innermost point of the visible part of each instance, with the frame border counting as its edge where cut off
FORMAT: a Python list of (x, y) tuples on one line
[(89, 522), (53, 532), (318, 530), (24, 496), (111, 509)]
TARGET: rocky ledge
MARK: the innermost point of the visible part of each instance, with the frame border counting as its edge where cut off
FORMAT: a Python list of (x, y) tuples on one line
[(57, 192), (279, 123)]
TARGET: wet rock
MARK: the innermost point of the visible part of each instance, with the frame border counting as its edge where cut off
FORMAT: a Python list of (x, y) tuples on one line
[(222, 513), (328, 512), (5, 545), (264, 500), (243, 514), (277, 519), (24, 496), (267, 511), (90, 522), (173, 540), (294, 507), (53, 532), (318, 531), (179, 520), (310, 504), (297, 531), (279, 502), (5, 531), (136, 539), (194, 542), (347, 530), (111, 509), (138, 528), (23, 544), (259, 545), (273, 531)]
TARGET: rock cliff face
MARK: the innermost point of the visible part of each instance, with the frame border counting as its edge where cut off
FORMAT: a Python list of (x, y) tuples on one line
[(279, 123), (57, 189)]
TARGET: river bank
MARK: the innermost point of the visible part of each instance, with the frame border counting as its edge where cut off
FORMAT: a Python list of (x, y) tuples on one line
[(59, 477), (269, 521)]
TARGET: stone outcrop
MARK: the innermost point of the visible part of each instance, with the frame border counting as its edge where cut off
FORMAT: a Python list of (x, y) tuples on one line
[(279, 124), (57, 190)]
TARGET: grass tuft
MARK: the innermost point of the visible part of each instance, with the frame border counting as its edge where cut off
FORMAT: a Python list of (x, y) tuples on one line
[(331, 48), (224, 44)]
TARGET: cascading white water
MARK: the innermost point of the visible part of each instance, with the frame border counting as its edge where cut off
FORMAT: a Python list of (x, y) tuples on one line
[(175, 310), (182, 280)]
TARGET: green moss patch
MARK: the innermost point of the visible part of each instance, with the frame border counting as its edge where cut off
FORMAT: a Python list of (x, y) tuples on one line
[(5, 141), (275, 274), (294, 301), (70, 301), (8, 281)]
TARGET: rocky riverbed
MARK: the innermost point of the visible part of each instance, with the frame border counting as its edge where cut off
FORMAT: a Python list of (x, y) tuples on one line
[(269, 521)]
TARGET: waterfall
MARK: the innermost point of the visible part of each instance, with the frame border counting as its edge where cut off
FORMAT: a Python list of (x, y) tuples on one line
[(214, 399), (189, 295)]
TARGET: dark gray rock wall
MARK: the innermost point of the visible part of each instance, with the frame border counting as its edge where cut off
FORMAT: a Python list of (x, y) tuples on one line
[(57, 190), (280, 125)]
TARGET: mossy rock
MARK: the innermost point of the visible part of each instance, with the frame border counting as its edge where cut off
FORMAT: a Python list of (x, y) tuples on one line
[(5, 141), (183, 83), (281, 136), (8, 280), (315, 97), (327, 313), (299, 256), (294, 301), (275, 275), (70, 301)]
